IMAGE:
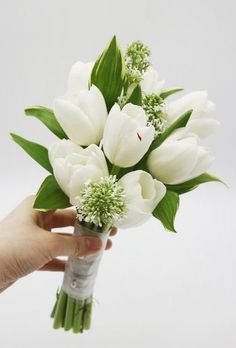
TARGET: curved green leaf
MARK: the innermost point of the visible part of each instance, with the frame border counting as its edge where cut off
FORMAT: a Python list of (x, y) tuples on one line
[(38, 152), (165, 94), (180, 122), (193, 183), (50, 196), (108, 73), (136, 96), (166, 210), (47, 117)]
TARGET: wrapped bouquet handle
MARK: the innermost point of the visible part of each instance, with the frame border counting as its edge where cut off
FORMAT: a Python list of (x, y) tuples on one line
[(73, 306)]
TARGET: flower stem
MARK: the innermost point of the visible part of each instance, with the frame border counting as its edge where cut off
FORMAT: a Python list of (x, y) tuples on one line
[(88, 314), (78, 316), (114, 170), (60, 310), (70, 307), (54, 309)]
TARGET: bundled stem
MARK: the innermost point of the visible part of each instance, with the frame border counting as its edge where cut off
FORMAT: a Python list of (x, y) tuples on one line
[(72, 314)]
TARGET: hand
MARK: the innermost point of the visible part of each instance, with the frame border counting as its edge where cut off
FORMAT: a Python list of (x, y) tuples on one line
[(27, 243)]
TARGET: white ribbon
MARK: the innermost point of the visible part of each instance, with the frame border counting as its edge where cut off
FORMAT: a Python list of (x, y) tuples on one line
[(80, 273)]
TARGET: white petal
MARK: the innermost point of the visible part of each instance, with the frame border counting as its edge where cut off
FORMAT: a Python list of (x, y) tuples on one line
[(62, 148), (136, 112), (203, 127), (172, 162), (134, 218), (59, 171), (79, 77), (74, 122), (80, 177), (204, 161), (133, 146)]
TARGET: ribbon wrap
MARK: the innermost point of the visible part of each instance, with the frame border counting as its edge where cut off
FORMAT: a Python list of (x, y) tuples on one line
[(80, 273)]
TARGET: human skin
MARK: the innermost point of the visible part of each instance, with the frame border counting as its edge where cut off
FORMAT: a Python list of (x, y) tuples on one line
[(27, 243)]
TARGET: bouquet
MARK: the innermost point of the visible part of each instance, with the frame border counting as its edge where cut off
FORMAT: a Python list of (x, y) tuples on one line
[(124, 153)]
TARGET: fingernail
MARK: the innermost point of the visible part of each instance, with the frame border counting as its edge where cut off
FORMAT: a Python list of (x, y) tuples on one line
[(93, 243)]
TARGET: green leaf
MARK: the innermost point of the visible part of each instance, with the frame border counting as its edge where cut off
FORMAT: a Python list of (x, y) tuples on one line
[(50, 196), (38, 152), (169, 92), (47, 117), (180, 122), (108, 73), (192, 184), (166, 210), (136, 96)]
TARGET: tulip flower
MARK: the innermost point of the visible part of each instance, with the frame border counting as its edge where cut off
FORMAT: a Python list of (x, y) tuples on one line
[(74, 166), (82, 116), (126, 135), (201, 122), (151, 84), (79, 77), (142, 195), (179, 158)]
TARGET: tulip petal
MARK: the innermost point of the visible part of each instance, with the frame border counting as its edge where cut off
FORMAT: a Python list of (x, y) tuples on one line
[(74, 122), (61, 149), (172, 162), (137, 142), (203, 127), (79, 77)]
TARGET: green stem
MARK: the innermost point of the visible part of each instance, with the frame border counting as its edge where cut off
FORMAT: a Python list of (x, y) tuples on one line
[(69, 316), (54, 309), (60, 310), (114, 170), (78, 316), (88, 314)]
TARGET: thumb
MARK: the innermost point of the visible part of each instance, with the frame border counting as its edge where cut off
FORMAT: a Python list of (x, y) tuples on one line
[(69, 245)]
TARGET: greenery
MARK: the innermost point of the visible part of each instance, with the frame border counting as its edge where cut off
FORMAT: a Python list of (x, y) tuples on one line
[(50, 196), (108, 73), (167, 209), (38, 152), (47, 117)]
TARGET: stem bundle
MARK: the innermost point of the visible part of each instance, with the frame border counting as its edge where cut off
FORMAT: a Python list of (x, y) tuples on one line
[(71, 314)]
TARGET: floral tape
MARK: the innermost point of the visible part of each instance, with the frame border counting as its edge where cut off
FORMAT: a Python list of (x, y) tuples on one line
[(80, 273)]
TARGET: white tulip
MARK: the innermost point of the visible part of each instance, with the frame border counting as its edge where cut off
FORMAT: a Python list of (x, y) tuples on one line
[(74, 166), (82, 116), (151, 83), (179, 158), (201, 121), (79, 77), (126, 135), (142, 194)]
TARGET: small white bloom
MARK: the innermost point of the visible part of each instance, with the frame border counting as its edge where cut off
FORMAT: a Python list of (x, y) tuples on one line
[(126, 136), (79, 77), (82, 116), (142, 195), (201, 121), (74, 166), (151, 84), (179, 158)]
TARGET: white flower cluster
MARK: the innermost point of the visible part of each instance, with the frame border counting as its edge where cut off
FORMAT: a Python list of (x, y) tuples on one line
[(123, 136)]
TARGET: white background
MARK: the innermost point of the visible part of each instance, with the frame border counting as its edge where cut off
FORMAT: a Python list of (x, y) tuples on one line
[(154, 289)]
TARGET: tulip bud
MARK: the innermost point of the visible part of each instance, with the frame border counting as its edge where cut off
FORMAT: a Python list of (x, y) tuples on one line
[(151, 83), (82, 116), (79, 77), (126, 136), (142, 194), (201, 122), (74, 166), (179, 158)]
